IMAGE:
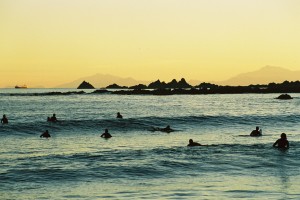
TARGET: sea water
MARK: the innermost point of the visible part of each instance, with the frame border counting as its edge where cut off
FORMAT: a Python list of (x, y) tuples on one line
[(137, 163)]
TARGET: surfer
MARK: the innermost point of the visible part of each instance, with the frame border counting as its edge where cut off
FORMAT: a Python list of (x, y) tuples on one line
[(167, 129), (106, 134), (192, 143), (256, 132), (282, 142), (119, 115), (45, 134), (53, 118), (4, 120)]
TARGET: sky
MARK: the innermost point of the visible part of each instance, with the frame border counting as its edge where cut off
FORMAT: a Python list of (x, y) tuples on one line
[(51, 42)]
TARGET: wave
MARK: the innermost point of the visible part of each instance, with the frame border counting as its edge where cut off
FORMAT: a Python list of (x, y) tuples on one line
[(153, 163), (146, 123)]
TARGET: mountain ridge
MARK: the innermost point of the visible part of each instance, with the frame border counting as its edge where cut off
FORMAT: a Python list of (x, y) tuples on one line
[(102, 80), (264, 75)]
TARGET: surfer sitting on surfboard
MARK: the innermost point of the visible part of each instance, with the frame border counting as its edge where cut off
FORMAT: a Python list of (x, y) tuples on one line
[(192, 143), (256, 132)]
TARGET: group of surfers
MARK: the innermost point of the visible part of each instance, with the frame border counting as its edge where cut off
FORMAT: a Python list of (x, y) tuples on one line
[(282, 142)]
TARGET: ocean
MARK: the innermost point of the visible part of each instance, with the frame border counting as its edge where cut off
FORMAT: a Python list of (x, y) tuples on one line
[(139, 163)]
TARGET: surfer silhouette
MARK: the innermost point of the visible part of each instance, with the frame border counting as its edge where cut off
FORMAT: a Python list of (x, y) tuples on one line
[(53, 118), (106, 134), (4, 120), (282, 142), (192, 143), (167, 129), (256, 132), (45, 134), (119, 115)]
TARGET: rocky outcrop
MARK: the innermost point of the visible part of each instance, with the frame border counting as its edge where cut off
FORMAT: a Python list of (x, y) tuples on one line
[(85, 85), (138, 87), (284, 97), (100, 91), (157, 84), (171, 85), (183, 84), (116, 86)]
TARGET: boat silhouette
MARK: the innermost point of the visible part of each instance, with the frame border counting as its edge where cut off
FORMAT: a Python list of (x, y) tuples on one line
[(21, 86)]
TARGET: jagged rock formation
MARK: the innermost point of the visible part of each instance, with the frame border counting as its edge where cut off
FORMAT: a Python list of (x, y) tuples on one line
[(157, 84), (116, 86), (208, 88), (183, 84), (171, 85), (85, 85)]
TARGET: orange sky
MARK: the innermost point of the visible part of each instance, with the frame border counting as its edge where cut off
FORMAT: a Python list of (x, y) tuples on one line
[(50, 42)]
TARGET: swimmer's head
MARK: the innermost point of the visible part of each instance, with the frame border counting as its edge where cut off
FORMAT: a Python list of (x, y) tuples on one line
[(283, 136)]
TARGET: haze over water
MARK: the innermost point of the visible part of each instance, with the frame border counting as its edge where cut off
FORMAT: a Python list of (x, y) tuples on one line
[(75, 163)]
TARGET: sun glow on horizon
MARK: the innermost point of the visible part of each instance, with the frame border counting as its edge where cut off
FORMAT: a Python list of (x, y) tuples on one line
[(51, 42)]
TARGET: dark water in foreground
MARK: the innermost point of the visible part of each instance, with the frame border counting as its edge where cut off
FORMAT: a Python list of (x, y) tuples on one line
[(137, 163)]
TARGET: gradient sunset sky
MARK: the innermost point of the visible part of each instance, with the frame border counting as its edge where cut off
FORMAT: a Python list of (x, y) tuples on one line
[(50, 42)]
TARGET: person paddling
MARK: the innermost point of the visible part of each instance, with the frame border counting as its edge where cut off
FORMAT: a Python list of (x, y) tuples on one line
[(192, 143)]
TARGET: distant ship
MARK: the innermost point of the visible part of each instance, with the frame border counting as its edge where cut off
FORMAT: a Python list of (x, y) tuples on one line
[(21, 86)]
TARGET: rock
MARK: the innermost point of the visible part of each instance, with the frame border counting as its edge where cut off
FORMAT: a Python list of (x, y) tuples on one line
[(100, 91), (85, 85), (138, 87), (183, 84), (284, 97), (157, 85), (116, 86)]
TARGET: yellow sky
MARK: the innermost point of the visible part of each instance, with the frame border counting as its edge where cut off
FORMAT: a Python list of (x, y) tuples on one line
[(50, 42)]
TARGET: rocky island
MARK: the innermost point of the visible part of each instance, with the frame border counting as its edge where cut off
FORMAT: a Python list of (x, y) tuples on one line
[(85, 85)]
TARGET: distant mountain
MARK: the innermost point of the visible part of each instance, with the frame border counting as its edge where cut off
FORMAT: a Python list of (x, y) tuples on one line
[(264, 75), (103, 80)]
